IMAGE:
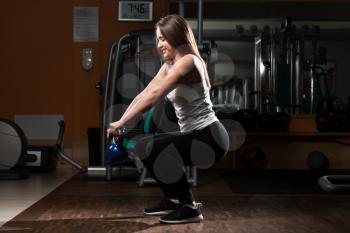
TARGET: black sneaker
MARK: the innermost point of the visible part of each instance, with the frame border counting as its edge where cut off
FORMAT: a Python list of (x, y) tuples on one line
[(184, 214), (163, 207)]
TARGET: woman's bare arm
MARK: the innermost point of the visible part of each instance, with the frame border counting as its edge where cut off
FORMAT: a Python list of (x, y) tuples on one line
[(158, 87)]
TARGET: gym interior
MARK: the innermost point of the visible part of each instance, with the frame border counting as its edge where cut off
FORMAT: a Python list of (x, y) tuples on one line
[(280, 86)]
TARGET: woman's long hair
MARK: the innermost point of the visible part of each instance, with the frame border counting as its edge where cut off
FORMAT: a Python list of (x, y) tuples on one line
[(179, 35)]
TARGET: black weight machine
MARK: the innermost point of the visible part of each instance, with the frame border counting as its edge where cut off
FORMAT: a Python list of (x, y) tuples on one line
[(132, 63)]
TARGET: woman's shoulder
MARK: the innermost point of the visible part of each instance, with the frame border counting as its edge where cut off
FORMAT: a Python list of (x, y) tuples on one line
[(196, 63), (189, 58), (187, 61), (183, 65)]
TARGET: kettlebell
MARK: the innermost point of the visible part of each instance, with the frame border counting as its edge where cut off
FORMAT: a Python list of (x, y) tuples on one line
[(115, 152)]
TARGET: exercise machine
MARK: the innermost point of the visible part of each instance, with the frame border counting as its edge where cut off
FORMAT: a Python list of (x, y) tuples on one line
[(13, 144), (18, 158), (131, 65)]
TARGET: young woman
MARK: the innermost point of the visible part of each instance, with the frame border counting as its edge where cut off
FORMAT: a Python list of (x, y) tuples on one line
[(202, 139)]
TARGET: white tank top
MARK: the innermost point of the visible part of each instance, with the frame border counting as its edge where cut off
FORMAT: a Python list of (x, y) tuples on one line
[(192, 103)]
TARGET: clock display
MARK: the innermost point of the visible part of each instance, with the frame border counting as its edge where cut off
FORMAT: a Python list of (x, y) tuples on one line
[(135, 11)]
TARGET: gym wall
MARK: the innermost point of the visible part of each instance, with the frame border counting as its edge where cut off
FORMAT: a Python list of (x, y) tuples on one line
[(40, 65)]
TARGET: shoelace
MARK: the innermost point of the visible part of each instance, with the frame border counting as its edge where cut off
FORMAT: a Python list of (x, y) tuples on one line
[(175, 201), (195, 206)]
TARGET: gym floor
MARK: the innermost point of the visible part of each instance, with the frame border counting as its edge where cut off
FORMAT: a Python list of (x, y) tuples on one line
[(86, 204), (18, 195)]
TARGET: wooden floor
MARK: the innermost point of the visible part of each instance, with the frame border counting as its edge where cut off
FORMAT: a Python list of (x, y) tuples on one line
[(94, 205)]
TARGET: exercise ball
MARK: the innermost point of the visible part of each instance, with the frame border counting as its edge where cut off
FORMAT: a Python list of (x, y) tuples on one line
[(254, 158), (317, 161)]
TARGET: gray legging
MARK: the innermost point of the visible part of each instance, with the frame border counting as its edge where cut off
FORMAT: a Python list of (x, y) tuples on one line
[(165, 155)]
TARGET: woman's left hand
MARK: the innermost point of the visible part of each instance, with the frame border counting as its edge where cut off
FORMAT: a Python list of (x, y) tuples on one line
[(115, 128)]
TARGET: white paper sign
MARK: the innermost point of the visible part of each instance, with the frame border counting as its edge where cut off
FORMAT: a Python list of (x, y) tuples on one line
[(85, 24)]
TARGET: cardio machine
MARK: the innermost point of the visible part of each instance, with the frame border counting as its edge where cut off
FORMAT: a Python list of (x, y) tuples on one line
[(13, 144), (17, 158)]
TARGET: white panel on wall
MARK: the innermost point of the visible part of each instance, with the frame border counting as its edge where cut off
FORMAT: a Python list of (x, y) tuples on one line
[(39, 126)]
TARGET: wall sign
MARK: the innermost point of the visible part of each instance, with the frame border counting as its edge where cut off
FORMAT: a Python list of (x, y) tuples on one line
[(85, 24)]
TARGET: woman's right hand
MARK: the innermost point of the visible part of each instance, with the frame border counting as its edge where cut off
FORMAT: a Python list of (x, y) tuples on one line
[(115, 128)]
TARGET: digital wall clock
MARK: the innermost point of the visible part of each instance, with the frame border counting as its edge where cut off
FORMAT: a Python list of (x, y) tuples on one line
[(135, 11)]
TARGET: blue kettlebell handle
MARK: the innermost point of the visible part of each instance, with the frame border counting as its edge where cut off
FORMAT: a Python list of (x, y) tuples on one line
[(115, 140)]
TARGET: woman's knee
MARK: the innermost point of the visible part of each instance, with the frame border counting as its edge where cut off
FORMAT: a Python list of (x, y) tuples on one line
[(144, 147)]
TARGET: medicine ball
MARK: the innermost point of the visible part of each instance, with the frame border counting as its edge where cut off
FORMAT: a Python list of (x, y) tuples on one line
[(254, 158), (332, 122), (324, 122), (317, 161)]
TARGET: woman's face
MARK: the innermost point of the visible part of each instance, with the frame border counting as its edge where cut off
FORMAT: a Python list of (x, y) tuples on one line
[(164, 47)]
